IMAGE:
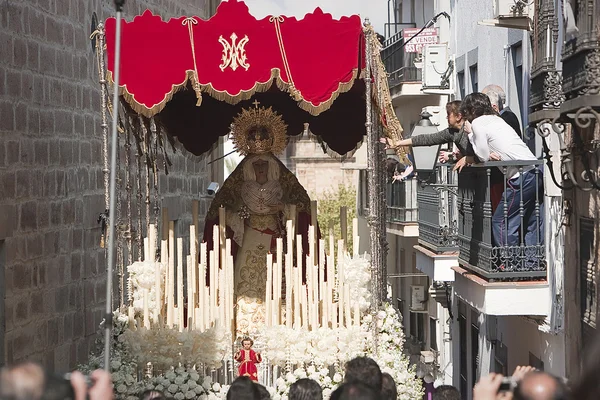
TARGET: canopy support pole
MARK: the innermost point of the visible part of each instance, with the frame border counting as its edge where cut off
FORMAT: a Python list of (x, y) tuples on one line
[(108, 322), (374, 180)]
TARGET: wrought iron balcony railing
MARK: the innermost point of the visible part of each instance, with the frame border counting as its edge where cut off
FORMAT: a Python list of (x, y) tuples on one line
[(398, 64), (437, 216), (402, 201), (501, 236)]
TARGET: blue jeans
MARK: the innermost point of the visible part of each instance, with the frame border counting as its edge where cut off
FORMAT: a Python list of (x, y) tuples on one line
[(506, 230)]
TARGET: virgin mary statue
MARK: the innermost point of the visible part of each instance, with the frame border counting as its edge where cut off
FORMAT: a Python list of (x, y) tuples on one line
[(258, 198)]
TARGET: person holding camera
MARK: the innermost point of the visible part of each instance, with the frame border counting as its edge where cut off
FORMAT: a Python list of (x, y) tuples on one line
[(526, 384)]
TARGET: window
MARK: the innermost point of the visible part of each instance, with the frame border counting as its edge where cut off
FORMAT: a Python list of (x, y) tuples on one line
[(517, 57), (413, 325), (474, 78), (433, 334), (588, 278), (421, 327), (461, 84), (501, 359), (474, 348), (535, 362), (462, 328)]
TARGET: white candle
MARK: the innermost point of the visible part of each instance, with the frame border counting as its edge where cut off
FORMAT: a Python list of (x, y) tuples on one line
[(171, 273), (310, 291), (131, 318), (190, 291), (355, 238), (157, 294), (146, 250), (296, 292), (202, 299), (268, 310), (222, 225), (292, 217), (212, 287), (315, 321), (304, 291), (194, 265), (348, 315), (231, 292), (216, 246), (279, 281), (222, 297), (180, 306), (164, 260)]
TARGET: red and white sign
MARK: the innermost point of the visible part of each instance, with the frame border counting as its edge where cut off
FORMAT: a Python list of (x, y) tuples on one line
[(428, 36)]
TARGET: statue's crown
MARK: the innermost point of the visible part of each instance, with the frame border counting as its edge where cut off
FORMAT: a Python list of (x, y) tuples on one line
[(259, 130)]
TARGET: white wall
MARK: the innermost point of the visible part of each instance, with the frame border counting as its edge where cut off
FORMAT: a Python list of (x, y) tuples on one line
[(522, 337)]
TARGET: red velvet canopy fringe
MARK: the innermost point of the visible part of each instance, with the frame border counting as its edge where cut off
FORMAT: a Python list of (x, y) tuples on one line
[(195, 75)]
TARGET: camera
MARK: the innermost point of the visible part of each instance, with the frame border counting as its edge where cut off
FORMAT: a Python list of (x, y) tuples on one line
[(507, 384), (212, 188)]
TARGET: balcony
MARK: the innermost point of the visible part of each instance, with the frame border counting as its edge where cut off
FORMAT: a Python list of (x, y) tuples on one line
[(580, 55), (402, 201), (546, 93), (402, 210), (398, 64), (518, 254), (504, 275), (437, 218)]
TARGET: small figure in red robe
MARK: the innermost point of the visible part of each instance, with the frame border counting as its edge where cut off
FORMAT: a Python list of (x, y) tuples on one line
[(248, 359)]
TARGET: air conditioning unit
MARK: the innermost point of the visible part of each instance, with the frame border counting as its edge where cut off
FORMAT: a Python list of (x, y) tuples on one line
[(417, 299), (512, 8), (437, 67)]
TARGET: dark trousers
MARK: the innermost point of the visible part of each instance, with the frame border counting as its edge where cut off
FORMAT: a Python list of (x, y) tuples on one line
[(529, 189)]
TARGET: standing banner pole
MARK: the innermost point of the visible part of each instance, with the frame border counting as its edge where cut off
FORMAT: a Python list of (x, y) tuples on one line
[(108, 318)]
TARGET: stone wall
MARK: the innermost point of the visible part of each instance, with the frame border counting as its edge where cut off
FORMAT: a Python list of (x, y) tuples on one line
[(318, 172), (51, 185)]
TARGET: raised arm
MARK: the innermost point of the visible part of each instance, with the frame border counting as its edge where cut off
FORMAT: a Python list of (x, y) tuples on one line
[(432, 139)]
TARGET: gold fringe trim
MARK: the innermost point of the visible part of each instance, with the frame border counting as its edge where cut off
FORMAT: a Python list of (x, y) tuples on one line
[(382, 97), (221, 95), (308, 106), (148, 112)]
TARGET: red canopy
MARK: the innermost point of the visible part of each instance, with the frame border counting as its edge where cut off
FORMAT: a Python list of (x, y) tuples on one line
[(168, 68)]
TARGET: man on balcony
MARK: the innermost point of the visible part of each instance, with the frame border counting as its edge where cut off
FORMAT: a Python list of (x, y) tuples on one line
[(493, 139), (497, 97)]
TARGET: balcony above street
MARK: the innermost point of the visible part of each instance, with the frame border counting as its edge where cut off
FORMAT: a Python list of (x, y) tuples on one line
[(501, 236), (402, 211), (399, 64), (437, 251)]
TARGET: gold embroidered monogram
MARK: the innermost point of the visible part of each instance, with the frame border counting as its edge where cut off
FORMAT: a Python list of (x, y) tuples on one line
[(234, 54)]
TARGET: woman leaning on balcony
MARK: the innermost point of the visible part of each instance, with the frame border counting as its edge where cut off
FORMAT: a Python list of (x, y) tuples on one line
[(493, 139)]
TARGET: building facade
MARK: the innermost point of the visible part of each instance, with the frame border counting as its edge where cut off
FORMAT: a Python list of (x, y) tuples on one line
[(52, 291), (564, 109), (483, 309)]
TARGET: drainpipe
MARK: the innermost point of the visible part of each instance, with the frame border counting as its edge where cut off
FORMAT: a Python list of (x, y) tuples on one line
[(506, 88)]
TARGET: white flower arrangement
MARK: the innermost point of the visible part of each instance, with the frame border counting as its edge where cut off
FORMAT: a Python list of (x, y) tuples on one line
[(324, 346), (142, 276), (187, 383), (166, 347), (390, 357), (319, 354), (357, 274)]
